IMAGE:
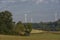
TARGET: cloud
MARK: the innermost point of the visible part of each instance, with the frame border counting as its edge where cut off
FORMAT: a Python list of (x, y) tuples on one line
[(23, 0), (0, 7), (27, 11), (52, 0), (8, 1), (56, 1), (40, 1), (45, 1)]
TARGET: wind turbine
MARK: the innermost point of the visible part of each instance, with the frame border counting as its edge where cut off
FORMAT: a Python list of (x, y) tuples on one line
[(25, 18), (31, 20), (56, 17)]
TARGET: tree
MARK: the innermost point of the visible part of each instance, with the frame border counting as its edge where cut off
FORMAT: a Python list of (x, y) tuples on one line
[(20, 29), (28, 28), (58, 25), (5, 21)]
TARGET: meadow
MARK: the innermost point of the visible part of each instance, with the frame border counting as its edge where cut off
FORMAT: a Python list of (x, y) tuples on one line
[(36, 36)]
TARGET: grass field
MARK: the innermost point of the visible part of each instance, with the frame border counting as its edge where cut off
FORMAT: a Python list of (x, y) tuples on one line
[(39, 36)]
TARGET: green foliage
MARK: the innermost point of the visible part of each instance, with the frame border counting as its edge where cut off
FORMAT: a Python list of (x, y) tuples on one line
[(7, 26), (5, 22), (20, 27), (47, 26), (29, 27)]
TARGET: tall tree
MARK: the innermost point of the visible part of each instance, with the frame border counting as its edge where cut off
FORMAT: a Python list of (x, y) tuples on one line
[(28, 27), (20, 29), (5, 21)]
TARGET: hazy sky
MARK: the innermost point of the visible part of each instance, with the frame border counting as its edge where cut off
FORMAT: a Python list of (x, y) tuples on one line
[(38, 10)]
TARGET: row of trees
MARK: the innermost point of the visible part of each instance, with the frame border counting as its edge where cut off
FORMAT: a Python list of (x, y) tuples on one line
[(7, 26), (48, 26)]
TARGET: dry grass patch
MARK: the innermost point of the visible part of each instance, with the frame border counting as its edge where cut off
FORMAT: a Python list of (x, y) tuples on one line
[(34, 36)]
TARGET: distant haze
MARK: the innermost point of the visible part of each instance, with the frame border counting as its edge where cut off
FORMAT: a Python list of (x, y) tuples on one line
[(38, 10)]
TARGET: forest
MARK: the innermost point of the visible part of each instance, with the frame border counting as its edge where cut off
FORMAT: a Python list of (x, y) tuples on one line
[(47, 26), (9, 27)]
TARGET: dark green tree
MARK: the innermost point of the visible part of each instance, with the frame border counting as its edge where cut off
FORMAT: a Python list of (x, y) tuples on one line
[(5, 21), (28, 28)]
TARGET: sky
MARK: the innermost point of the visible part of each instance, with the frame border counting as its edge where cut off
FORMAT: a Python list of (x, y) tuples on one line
[(38, 10)]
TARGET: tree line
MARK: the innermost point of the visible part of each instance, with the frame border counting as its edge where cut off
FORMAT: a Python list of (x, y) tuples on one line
[(47, 26), (9, 27)]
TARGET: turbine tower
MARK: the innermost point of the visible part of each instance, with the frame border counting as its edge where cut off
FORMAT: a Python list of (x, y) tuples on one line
[(56, 17), (25, 18), (31, 20)]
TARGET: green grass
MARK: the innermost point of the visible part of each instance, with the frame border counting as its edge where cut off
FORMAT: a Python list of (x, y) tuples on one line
[(39, 36)]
